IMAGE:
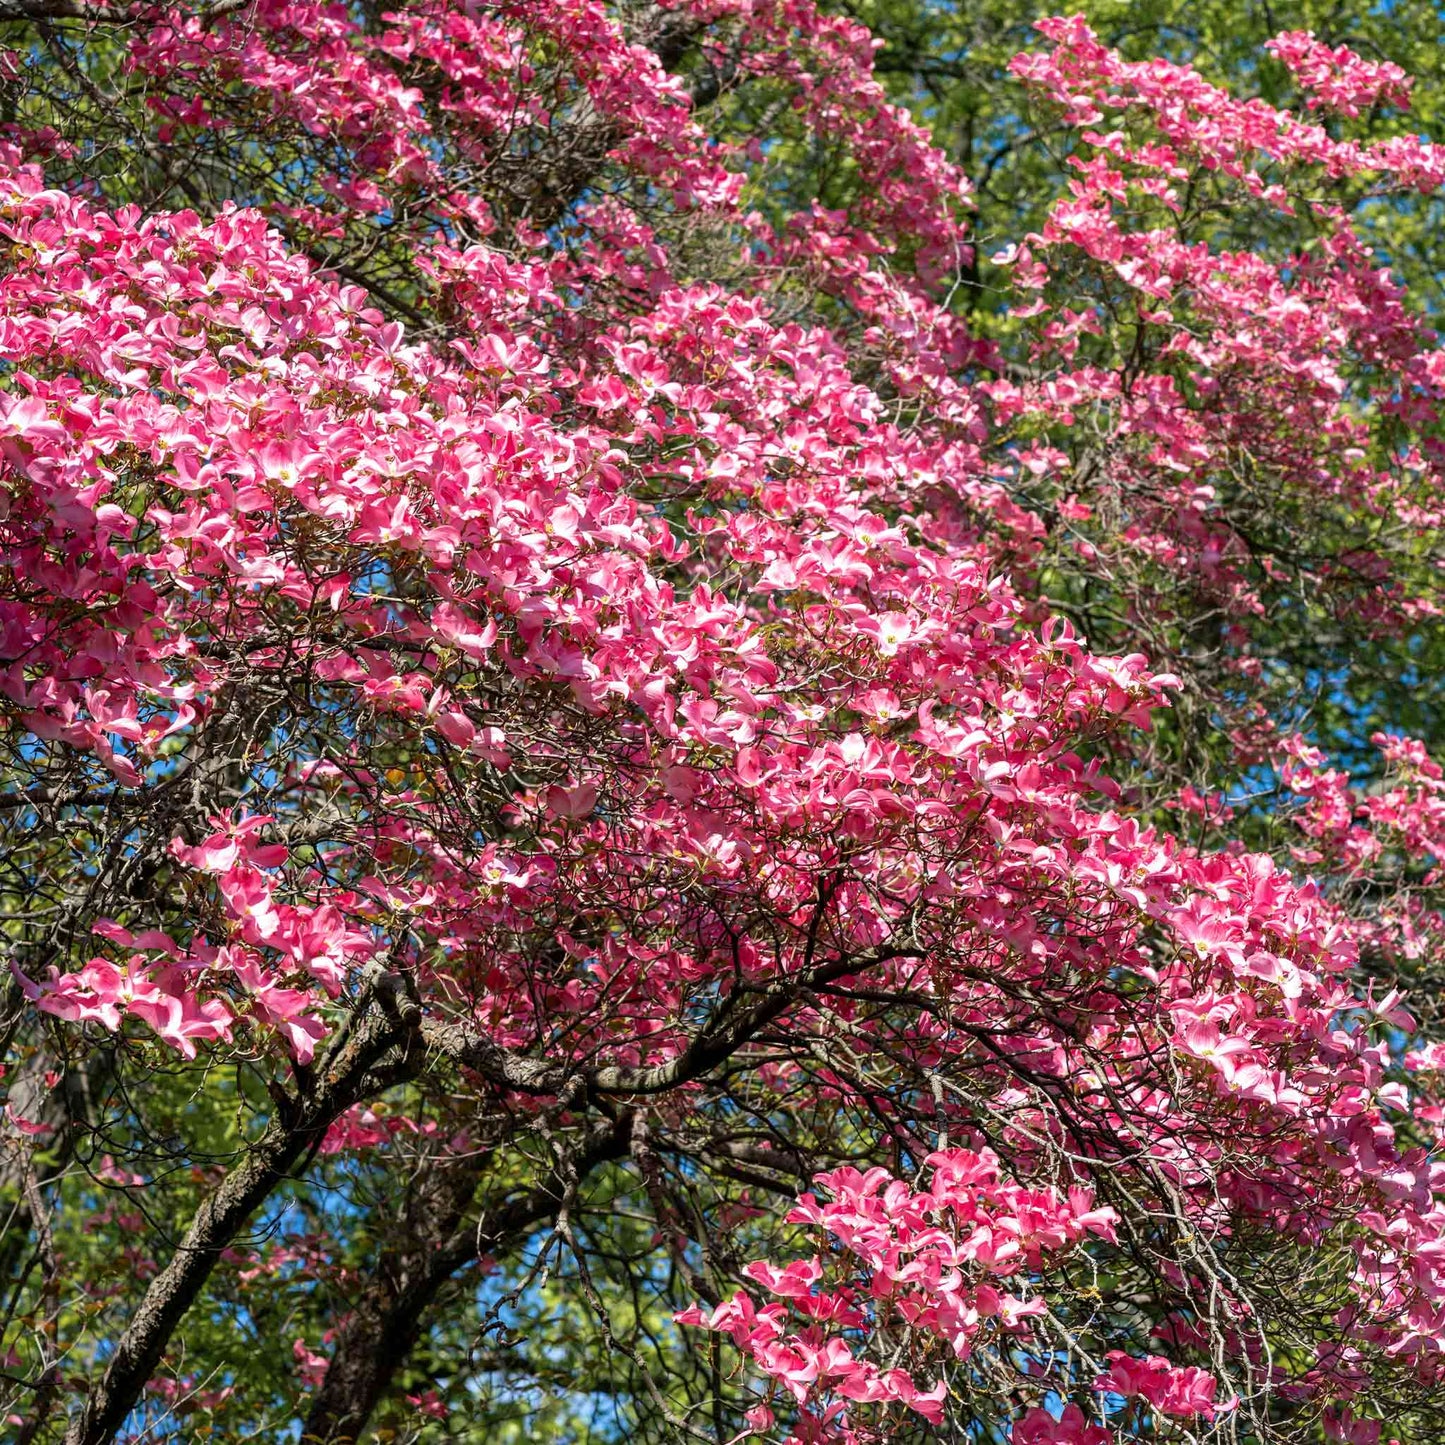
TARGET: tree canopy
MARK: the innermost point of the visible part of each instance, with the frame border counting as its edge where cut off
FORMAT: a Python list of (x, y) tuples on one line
[(718, 722)]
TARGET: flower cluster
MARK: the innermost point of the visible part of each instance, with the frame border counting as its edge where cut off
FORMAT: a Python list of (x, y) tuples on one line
[(957, 1263)]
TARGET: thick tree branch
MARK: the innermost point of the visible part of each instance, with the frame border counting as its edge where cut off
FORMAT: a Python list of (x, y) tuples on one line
[(390, 1020), (731, 1026), (221, 1218), (379, 1336)]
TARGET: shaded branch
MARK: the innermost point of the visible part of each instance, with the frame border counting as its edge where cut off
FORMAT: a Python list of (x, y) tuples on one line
[(379, 1336)]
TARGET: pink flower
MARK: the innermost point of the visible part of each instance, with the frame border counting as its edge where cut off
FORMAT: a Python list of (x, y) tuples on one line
[(310, 1366), (1038, 1427)]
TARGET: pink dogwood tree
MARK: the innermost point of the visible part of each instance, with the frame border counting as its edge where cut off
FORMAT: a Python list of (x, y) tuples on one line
[(580, 744)]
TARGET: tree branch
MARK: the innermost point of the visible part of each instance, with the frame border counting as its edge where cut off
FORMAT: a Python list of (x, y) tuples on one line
[(221, 1218), (379, 1336), (101, 14)]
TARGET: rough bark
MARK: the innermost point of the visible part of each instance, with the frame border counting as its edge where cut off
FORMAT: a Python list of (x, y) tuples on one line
[(341, 1082), (383, 1329)]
